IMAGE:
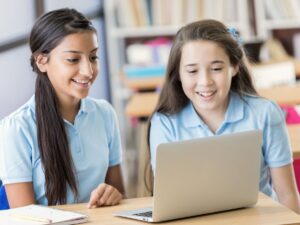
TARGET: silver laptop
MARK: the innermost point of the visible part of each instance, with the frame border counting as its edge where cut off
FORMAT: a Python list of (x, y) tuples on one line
[(204, 175)]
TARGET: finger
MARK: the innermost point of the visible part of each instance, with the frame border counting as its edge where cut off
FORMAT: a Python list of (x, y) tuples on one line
[(118, 200), (114, 198), (92, 202), (96, 195), (108, 191)]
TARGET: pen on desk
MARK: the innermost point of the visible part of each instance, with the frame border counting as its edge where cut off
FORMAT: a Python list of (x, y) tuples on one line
[(32, 218)]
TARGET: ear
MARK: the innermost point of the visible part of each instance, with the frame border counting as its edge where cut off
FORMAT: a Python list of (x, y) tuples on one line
[(41, 61), (235, 70)]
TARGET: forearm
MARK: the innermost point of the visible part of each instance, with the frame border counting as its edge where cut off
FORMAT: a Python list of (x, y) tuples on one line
[(291, 201), (19, 194), (114, 178)]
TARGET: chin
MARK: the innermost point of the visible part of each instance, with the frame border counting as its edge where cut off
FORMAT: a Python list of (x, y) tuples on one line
[(81, 96), (206, 107)]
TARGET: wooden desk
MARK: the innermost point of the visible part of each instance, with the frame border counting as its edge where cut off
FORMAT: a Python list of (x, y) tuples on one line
[(265, 212)]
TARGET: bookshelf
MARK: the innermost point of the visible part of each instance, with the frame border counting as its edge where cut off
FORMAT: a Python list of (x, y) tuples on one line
[(276, 14), (168, 17)]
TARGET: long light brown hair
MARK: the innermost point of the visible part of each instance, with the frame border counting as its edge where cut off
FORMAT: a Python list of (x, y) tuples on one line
[(172, 97)]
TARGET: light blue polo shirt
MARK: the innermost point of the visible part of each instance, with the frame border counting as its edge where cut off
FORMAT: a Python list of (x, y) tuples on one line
[(94, 142), (245, 114)]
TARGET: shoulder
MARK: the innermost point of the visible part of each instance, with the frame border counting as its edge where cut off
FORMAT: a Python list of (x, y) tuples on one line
[(24, 117), (19, 129), (164, 118), (166, 121), (267, 110), (100, 108)]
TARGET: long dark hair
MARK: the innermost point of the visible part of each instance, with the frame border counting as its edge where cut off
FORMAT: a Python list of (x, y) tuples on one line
[(48, 31), (172, 97)]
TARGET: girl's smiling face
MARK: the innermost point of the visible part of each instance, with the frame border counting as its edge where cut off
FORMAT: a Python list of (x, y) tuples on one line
[(72, 66), (206, 74)]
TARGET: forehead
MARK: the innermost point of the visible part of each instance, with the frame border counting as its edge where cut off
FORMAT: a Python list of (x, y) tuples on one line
[(83, 41), (203, 51)]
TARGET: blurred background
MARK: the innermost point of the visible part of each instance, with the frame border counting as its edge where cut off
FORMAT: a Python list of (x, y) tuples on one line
[(135, 38)]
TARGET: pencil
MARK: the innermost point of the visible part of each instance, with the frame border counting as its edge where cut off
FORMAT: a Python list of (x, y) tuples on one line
[(32, 218)]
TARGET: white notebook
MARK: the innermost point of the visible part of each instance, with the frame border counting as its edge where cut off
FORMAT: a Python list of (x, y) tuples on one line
[(38, 215)]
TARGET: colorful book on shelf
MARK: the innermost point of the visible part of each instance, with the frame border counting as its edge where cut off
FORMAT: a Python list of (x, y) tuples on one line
[(142, 71), (40, 215)]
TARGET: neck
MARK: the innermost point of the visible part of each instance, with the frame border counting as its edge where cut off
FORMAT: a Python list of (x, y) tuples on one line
[(69, 109), (215, 117), (213, 120)]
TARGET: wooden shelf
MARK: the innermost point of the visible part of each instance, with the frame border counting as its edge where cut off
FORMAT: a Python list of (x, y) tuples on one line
[(282, 24), (149, 31), (140, 84), (144, 31), (142, 104), (284, 95)]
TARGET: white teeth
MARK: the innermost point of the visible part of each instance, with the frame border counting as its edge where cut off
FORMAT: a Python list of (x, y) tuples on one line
[(82, 81), (206, 93)]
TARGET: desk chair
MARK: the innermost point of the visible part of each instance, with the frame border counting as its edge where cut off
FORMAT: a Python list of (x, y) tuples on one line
[(3, 199)]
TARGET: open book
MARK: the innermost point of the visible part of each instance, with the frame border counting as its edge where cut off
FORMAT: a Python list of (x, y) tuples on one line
[(38, 215)]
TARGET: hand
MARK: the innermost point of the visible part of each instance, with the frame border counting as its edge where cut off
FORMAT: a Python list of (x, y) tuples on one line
[(104, 195)]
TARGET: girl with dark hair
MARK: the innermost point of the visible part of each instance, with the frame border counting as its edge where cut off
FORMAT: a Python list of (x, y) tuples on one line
[(62, 146), (208, 91)]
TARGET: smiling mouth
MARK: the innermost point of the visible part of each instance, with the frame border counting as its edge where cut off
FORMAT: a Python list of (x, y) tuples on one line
[(84, 82), (206, 94)]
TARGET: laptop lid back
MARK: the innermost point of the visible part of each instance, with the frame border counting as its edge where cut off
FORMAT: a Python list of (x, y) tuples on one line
[(206, 175)]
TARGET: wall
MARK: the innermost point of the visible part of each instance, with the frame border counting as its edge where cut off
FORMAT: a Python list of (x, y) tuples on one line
[(17, 78)]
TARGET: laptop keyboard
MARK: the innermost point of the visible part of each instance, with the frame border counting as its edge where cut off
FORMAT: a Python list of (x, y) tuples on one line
[(144, 214)]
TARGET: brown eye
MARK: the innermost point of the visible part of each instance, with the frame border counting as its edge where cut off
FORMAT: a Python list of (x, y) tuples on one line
[(94, 58), (73, 60), (216, 69)]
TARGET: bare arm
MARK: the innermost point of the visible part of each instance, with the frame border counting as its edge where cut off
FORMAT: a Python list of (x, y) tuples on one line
[(285, 186), (114, 178), (19, 194)]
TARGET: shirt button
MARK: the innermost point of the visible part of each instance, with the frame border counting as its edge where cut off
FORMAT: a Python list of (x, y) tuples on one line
[(78, 147)]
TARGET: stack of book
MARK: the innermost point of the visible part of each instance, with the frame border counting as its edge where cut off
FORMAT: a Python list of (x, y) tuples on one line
[(40, 215)]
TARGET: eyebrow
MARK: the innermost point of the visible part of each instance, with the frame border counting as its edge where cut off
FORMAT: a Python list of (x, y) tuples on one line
[(79, 52), (217, 61), (213, 62), (191, 64)]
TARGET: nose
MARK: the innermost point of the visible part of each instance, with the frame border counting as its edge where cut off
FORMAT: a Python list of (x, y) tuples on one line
[(204, 78), (86, 68)]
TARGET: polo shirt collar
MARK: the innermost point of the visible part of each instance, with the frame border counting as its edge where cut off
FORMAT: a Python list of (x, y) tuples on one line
[(85, 105), (190, 116), (235, 109)]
